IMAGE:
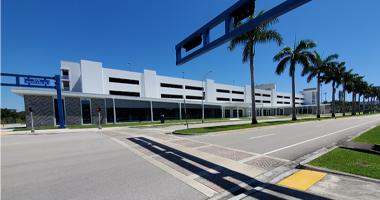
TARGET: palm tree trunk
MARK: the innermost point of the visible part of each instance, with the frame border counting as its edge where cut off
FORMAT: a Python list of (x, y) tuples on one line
[(368, 103), (344, 101), (254, 120), (359, 103), (333, 100), (294, 118), (318, 99)]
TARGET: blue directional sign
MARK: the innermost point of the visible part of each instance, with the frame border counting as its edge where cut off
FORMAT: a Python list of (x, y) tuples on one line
[(37, 81)]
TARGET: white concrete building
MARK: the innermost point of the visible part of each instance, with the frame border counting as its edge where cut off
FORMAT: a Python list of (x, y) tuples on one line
[(131, 96)]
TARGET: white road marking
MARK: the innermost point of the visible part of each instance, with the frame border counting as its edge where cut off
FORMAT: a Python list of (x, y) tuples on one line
[(261, 136), (50, 140), (316, 138), (321, 125)]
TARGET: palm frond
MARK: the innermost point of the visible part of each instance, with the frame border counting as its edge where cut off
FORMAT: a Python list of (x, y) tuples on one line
[(305, 44), (286, 51), (282, 65)]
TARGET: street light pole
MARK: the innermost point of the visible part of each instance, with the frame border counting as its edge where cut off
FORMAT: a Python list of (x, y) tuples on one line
[(203, 108)]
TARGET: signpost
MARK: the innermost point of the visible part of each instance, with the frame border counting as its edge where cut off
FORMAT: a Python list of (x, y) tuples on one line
[(40, 82), (235, 13)]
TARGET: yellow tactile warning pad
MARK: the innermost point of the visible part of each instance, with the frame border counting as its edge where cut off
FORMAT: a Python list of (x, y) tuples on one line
[(302, 179)]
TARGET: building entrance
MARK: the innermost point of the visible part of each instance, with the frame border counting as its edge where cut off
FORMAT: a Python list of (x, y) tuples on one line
[(86, 112)]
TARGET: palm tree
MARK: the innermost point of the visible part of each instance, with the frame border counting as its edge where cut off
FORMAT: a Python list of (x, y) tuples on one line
[(367, 94), (333, 75), (297, 55), (373, 94), (319, 66), (261, 34), (354, 85), (362, 89), (347, 78)]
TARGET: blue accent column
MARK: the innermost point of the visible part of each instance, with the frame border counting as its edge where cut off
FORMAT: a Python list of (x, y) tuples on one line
[(59, 97)]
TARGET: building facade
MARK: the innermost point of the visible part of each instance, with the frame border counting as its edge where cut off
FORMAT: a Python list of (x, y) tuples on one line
[(126, 96)]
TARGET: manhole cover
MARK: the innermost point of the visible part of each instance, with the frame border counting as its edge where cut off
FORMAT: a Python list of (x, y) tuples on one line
[(362, 164)]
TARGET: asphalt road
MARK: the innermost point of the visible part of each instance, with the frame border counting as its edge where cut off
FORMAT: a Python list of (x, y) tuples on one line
[(292, 141), (82, 166), (89, 165)]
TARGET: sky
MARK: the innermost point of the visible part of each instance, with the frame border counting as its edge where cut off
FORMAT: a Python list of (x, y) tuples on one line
[(36, 35)]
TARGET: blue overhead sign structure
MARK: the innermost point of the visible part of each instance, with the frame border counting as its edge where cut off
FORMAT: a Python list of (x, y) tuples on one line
[(237, 12), (40, 82), (37, 81)]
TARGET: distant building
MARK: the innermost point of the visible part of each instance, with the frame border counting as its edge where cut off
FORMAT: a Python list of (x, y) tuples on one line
[(126, 96)]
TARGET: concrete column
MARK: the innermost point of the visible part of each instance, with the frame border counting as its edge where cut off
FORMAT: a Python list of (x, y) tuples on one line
[(151, 111), (180, 111), (114, 111)]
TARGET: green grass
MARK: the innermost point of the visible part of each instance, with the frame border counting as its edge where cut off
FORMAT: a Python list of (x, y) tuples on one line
[(371, 136), (344, 160), (243, 126)]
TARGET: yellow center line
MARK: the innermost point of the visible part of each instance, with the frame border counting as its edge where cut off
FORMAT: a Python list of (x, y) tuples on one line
[(51, 144), (9, 149)]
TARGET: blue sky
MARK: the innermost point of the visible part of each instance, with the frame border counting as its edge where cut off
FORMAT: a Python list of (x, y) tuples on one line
[(36, 35)]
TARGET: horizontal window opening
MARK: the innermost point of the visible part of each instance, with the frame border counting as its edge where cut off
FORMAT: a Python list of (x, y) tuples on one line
[(222, 99), (168, 85), (122, 93), (287, 97), (266, 101), (240, 100), (237, 92), (222, 91), (194, 97), (297, 98), (302, 99), (266, 95), (257, 101), (188, 87), (125, 81), (280, 96), (279, 102), (171, 96), (286, 102), (257, 94)]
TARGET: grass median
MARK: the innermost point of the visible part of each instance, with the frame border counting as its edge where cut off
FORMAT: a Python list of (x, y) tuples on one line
[(354, 162), (192, 131)]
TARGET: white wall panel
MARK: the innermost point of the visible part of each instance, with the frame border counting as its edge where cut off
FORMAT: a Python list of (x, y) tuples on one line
[(92, 77)]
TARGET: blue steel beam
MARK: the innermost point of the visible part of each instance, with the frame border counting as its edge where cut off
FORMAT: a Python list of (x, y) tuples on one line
[(30, 76), (231, 33)]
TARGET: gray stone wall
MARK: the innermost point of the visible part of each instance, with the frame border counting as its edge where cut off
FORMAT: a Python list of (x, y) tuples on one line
[(43, 114), (98, 103), (73, 111)]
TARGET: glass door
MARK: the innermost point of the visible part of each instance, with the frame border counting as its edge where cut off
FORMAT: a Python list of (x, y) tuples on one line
[(86, 112)]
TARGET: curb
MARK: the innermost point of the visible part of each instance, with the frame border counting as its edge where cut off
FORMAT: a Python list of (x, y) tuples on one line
[(303, 165), (330, 171), (195, 134)]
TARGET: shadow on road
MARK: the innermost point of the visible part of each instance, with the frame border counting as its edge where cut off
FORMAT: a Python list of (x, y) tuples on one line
[(223, 179)]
